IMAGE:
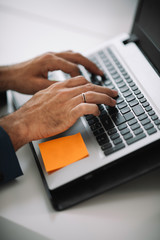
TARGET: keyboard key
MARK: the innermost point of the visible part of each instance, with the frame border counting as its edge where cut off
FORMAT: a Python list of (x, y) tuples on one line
[(122, 105), (119, 100), (143, 116), (145, 121), (114, 136), (148, 126), (112, 131), (149, 108), (107, 123), (119, 80), (135, 139), (145, 104), (135, 126), (125, 131), (106, 146), (111, 110), (138, 131), (125, 110), (114, 149), (89, 116), (154, 117), (132, 84), (92, 121), (157, 122), (98, 132), (129, 80), (127, 136), (126, 76), (102, 139), (118, 119), (122, 84), (134, 88), (127, 93), (96, 126), (113, 71), (137, 92), (124, 89), (122, 126), (129, 116), (100, 106), (139, 96), (117, 141), (130, 98), (115, 76), (133, 103), (103, 114), (133, 121), (151, 113), (138, 110), (151, 131), (143, 100), (106, 82)]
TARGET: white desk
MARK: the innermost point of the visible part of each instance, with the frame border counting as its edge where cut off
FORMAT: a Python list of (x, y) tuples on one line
[(131, 211)]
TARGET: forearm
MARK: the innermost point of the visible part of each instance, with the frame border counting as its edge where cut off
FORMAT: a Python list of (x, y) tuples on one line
[(7, 73), (15, 127)]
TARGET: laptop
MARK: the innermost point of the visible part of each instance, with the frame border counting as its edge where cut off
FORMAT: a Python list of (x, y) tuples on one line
[(122, 141)]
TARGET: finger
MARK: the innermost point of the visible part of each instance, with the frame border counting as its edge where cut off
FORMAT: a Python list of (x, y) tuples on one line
[(95, 98), (57, 63), (84, 109), (82, 88), (80, 59), (76, 81)]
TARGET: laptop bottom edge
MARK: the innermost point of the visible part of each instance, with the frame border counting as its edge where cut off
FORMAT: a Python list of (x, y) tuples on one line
[(104, 178)]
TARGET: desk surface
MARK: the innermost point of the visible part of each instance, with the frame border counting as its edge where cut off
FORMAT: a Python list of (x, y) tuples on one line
[(131, 211)]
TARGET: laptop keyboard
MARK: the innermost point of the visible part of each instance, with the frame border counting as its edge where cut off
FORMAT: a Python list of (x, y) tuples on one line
[(132, 119)]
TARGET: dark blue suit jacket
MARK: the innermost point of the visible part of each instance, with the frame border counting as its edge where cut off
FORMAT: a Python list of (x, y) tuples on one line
[(9, 165)]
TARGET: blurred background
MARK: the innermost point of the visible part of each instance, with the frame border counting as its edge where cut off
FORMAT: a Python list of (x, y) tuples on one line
[(29, 28)]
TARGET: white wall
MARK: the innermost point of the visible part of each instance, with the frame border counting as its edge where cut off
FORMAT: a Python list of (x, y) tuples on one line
[(31, 27)]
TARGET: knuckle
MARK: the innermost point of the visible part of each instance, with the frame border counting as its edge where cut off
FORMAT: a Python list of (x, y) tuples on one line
[(90, 87), (78, 55), (81, 78), (47, 57), (90, 95), (61, 95), (70, 81)]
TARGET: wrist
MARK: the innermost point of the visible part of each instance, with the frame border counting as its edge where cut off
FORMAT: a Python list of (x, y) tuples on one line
[(6, 77), (16, 129), (9, 77)]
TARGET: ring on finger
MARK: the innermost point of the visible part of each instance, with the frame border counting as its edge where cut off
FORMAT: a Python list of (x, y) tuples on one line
[(83, 98)]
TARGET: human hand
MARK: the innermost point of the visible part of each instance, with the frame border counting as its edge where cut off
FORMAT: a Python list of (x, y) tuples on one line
[(55, 109), (31, 76)]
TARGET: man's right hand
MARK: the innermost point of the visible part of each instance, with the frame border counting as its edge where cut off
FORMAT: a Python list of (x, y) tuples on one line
[(55, 109)]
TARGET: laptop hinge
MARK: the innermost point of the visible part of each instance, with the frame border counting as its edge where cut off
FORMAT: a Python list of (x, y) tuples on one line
[(133, 38)]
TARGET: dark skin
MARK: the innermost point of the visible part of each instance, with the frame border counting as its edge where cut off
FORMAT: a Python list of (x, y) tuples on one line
[(55, 106)]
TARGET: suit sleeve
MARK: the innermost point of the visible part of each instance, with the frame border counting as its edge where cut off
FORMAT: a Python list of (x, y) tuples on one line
[(9, 165)]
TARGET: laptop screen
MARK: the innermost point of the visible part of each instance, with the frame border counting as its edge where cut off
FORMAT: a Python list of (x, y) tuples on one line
[(146, 27)]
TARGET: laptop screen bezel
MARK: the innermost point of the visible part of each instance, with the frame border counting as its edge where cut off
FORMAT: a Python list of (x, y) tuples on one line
[(145, 43)]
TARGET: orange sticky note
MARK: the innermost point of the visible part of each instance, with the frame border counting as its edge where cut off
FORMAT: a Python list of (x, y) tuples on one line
[(63, 151)]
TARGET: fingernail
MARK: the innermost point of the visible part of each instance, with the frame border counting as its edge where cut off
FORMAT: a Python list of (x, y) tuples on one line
[(114, 102), (115, 92)]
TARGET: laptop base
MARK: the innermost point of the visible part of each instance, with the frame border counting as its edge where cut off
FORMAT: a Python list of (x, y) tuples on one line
[(105, 178)]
